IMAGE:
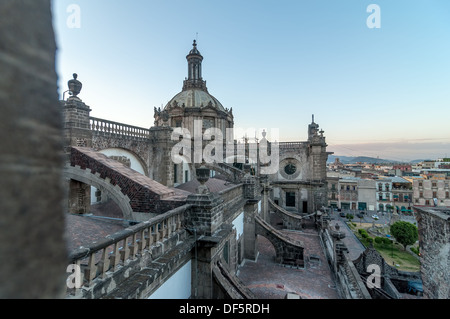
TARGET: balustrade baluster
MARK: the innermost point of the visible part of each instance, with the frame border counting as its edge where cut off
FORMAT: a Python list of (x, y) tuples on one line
[(116, 256), (157, 232), (91, 271), (173, 224), (126, 250), (150, 236), (134, 246), (178, 222), (163, 229), (169, 227), (142, 241), (104, 263)]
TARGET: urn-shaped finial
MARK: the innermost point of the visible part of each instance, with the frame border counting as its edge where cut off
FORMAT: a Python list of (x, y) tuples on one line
[(202, 174), (75, 85)]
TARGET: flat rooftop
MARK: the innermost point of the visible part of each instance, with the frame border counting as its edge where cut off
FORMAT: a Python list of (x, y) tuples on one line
[(268, 279)]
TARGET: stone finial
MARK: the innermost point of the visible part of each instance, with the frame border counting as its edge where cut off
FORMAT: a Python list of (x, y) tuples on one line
[(202, 175), (75, 85)]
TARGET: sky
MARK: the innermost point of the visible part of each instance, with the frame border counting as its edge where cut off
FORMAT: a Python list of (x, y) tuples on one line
[(376, 78)]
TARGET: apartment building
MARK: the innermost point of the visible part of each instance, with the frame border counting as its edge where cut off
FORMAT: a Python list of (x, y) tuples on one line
[(352, 193), (431, 191), (384, 195), (402, 194)]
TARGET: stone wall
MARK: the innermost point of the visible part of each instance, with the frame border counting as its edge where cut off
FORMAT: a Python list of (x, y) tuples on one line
[(434, 234), (32, 246), (139, 147)]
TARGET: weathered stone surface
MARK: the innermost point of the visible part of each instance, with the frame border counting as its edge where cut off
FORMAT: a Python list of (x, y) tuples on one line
[(434, 234), (32, 247)]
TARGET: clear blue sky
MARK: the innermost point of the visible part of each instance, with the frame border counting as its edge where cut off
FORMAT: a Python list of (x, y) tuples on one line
[(374, 91)]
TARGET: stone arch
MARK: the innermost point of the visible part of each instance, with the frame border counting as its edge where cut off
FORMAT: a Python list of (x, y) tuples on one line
[(137, 147), (262, 230), (137, 163), (85, 176), (286, 250), (134, 161)]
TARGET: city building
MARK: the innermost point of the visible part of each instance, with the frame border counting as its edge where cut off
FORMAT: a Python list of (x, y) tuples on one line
[(402, 194), (348, 193), (384, 194), (431, 191)]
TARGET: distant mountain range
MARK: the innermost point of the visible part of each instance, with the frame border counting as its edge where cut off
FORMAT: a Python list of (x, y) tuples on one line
[(363, 159)]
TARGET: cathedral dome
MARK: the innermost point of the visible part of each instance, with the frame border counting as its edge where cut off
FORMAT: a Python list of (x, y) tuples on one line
[(194, 101), (194, 98)]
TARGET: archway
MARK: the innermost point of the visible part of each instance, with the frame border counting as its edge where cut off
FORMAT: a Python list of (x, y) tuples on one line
[(87, 178), (126, 157)]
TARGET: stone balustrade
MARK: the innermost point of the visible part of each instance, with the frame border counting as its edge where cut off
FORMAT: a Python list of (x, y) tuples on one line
[(109, 127), (102, 258), (290, 220), (291, 145)]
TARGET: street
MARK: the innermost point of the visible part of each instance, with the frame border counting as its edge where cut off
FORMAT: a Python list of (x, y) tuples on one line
[(383, 217)]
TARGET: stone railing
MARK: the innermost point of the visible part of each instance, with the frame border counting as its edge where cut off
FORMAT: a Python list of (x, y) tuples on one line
[(231, 284), (104, 257), (282, 210), (290, 220), (290, 145), (353, 282), (109, 127)]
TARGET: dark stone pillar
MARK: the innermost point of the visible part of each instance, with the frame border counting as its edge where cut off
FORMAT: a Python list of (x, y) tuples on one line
[(79, 201), (77, 131), (250, 242), (160, 152)]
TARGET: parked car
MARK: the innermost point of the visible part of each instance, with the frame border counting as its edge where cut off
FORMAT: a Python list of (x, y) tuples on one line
[(360, 215), (415, 287), (375, 217), (342, 214)]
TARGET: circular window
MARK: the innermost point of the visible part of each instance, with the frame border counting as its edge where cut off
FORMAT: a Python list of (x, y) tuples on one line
[(290, 169)]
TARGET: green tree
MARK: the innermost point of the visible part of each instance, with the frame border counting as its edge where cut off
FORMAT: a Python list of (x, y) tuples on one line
[(405, 233)]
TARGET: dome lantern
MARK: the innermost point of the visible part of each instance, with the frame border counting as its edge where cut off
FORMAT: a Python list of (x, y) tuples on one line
[(194, 79)]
